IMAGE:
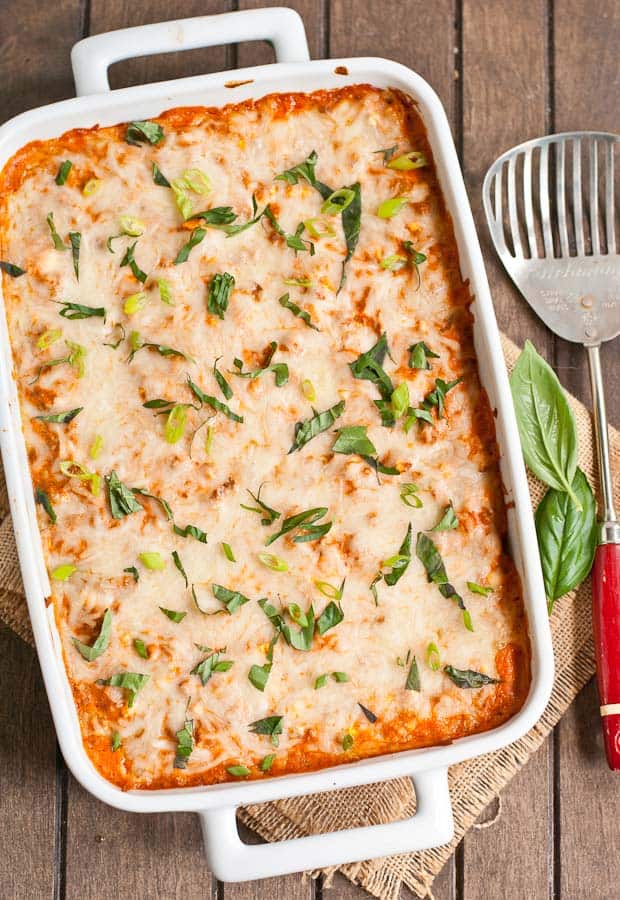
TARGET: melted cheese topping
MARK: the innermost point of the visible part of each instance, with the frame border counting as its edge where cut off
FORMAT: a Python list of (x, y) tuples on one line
[(241, 149)]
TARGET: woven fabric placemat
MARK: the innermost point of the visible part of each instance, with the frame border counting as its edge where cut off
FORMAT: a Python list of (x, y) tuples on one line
[(473, 784)]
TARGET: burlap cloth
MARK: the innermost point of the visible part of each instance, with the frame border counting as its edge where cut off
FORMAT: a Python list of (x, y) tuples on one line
[(472, 784)]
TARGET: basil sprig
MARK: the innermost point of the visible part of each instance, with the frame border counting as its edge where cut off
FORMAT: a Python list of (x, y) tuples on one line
[(320, 421), (100, 645)]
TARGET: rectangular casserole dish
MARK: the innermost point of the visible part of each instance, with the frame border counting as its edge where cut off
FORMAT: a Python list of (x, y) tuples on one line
[(432, 824)]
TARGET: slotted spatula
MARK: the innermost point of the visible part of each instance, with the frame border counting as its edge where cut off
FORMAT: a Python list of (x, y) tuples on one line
[(550, 206)]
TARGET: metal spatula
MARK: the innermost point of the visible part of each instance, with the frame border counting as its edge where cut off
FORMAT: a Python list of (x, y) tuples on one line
[(550, 206)]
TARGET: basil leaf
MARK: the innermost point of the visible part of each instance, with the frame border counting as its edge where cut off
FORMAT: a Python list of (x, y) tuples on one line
[(209, 665), (429, 556), (401, 561), (413, 677), (141, 648), (132, 682), (567, 537), (128, 260), (387, 152), (259, 675), (305, 521), (300, 639), (144, 132), (372, 718), (347, 742), (173, 615), (266, 763), (238, 771), (185, 744), (416, 415), (270, 514), (546, 422), (131, 570), (369, 367), (195, 238), (58, 242), (353, 439), (272, 726), (305, 431), (179, 565), (351, 219), (232, 600), (120, 497), (77, 311), (437, 396), (285, 303), (280, 370), (163, 503), (62, 418), (63, 172), (11, 269), (115, 741), (138, 344), (213, 402), (231, 230), (90, 653), (331, 616), (468, 678), (293, 241), (75, 239), (416, 258), (221, 381), (158, 176), (304, 170), (419, 355), (448, 520), (219, 293), (217, 215), (191, 531), (41, 497)]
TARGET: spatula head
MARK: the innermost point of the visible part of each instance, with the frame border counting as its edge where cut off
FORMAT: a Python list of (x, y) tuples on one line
[(551, 206)]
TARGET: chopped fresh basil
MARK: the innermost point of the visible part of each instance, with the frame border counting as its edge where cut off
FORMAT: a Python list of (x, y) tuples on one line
[(137, 344), (63, 172), (416, 258), (399, 563), (163, 503), (429, 556), (77, 311), (369, 367), (62, 418), (413, 677), (209, 665), (258, 676), (468, 678), (195, 238), (191, 531), (306, 171), (280, 370), (347, 742), (58, 242), (351, 219), (271, 726), (128, 260), (331, 616), (75, 239), (173, 615), (115, 741), (11, 269), (269, 515), (131, 570), (132, 682), (320, 421), (100, 645), (305, 521), (232, 600), (220, 289), (417, 415), (141, 648), (293, 241), (120, 497), (419, 355), (213, 402), (285, 303), (372, 718), (448, 520), (158, 176), (41, 498), (216, 216), (238, 771), (179, 565), (267, 762), (185, 744), (437, 396), (320, 682), (144, 132), (232, 229), (353, 439), (221, 381)]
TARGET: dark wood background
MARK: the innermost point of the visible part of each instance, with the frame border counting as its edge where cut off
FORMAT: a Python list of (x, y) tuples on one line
[(506, 71)]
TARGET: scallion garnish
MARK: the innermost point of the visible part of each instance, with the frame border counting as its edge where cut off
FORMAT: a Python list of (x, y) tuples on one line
[(228, 553), (275, 563), (48, 338), (152, 560), (63, 172), (390, 208), (164, 292), (73, 469), (91, 187), (481, 589), (238, 771), (63, 572), (409, 495), (433, 660), (414, 159), (338, 201)]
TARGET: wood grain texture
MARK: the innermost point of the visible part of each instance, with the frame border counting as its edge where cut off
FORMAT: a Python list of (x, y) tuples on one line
[(28, 832), (313, 12)]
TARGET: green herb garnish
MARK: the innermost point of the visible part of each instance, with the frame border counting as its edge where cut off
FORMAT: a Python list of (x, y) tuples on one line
[(232, 600), (58, 242), (305, 522), (267, 762), (43, 500), (144, 132), (141, 648), (11, 269), (238, 771), (351, 219), (100, 645), (75, 239), (269, 515), (429, 556), (120, 497), (293, 241), (419, 355), (331, 616), (448, 520), (185, 744), (409, 495), (221, 381), (371, 716), (210, 665), (128, 260), (63, 172), (191, 531), (78, 311), (399, 563), (271, 726), (158, 176), (62, 418), (285, 303), (195, 238), (280, 370), (468, 678), (173, 615), (320, 421), (213, 402), (132, 682), (115, 741), (413, 677)]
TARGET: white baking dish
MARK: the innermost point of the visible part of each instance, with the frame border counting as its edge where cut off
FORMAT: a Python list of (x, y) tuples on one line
[(228, 857)]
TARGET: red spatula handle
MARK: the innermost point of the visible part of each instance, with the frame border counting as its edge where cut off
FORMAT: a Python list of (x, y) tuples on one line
[(606, 622)]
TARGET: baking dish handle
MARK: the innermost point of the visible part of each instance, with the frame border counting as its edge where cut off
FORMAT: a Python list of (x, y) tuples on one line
[(231, 860), (282, 27)]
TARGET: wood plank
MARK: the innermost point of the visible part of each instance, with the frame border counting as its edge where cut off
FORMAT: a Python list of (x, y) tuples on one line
[(503, 104), (28, 761), (585, 42)]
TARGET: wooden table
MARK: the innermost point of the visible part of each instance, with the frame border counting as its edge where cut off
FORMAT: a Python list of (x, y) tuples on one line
[(506, 71)]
